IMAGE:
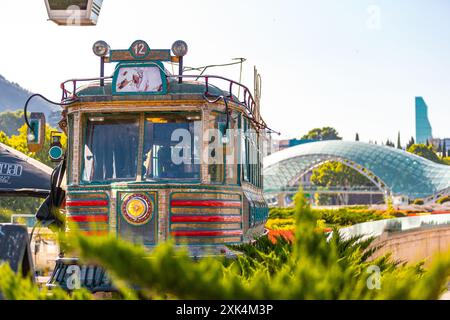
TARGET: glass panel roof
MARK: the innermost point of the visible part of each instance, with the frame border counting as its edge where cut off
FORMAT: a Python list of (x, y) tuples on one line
[(402, 172)]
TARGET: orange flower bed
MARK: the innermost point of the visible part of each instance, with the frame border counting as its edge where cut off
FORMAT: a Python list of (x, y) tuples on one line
[(288, 234)]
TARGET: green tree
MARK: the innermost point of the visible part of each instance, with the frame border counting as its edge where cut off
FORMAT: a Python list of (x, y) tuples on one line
[(333, 174), (10, 122), (444, 150), (3, 137), (325, 133), (25, 205), (399, 143), (17, 205), (19, 142), (389, 143), (425, 151), (336, 174), (410, 143)]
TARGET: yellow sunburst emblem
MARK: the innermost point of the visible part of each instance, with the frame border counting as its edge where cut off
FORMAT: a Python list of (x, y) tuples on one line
[(137, 209)]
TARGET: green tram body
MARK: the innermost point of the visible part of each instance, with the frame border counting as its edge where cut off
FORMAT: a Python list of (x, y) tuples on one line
[(114, 156)]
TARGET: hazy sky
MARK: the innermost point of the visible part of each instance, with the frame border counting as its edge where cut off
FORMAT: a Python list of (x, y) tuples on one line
[(355, 65)]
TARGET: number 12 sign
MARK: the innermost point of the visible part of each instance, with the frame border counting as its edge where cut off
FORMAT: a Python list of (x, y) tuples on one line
[(140, 49)]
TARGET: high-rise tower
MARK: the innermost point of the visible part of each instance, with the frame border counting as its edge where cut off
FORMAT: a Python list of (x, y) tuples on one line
[(423, 126)]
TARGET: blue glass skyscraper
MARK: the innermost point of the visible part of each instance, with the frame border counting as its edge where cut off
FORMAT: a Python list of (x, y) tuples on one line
[(423, 126)]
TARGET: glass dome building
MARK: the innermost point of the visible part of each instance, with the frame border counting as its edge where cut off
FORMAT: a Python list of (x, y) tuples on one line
[(395, 172)]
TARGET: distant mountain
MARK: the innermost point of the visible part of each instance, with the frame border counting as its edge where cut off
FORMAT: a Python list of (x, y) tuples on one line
[(13, 97)]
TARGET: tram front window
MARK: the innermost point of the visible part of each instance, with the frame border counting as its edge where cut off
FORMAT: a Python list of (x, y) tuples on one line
[(171, 146), (111, 149), (65, 4)]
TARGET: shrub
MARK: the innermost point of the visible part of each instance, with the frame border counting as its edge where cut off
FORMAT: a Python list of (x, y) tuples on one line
[(309, 268), (281, 224), (444, 199), (14, 287), (281, 213), (339, 217), (5, 215), (418, 202)]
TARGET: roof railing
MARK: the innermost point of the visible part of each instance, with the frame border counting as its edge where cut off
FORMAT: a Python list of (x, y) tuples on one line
[(248, 101)]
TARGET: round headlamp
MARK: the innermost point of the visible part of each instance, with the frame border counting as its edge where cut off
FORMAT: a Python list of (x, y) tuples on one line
[(101, 48), (180, 48)]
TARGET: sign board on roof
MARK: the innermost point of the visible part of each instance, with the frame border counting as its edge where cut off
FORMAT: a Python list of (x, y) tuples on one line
[(143, 78), (140, 52)]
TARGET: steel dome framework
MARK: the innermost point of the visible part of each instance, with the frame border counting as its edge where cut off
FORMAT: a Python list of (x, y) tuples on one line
[(393, 171)]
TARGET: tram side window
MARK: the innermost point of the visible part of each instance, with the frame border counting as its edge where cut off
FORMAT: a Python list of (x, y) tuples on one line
[(111, 149), (232, 149), (245, 152), (217, 124), (172, 146), (253, 159)]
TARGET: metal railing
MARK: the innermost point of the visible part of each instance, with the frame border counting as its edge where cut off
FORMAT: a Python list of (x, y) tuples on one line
[(336, 189), (248, 101)]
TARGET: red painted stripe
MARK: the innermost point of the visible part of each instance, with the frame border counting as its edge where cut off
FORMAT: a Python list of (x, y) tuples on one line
[(427, 213), (87, 203), (94, 233), (440, 212), (205, 203), (89, 218), (206, 219), (207, 233)]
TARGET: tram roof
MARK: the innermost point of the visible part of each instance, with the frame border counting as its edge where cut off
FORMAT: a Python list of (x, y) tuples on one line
[(175, 91), (144, 63)]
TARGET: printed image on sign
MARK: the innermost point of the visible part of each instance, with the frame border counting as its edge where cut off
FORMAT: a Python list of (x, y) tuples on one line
[(139, 79)]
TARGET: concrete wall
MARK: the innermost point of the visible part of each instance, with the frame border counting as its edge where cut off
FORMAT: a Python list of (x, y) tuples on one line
[(415, 245)]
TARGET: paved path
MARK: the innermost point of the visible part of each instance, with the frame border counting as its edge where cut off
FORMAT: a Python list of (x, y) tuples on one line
[(445, 296)]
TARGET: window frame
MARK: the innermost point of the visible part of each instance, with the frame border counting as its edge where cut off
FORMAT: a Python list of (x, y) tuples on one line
[(169, 180), (84, 120), (139, 178)]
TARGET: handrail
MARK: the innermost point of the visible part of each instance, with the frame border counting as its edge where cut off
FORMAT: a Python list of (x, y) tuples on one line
[(248, 101), (72, 95)]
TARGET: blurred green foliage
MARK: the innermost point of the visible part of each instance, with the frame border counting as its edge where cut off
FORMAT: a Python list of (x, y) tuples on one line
[(24, 205), (337, 174), (336, 217), (426, 152), (10, 122), (310, 267), (325, 133), (19, 142), (15, 287), (443, 199), (5, 215)]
